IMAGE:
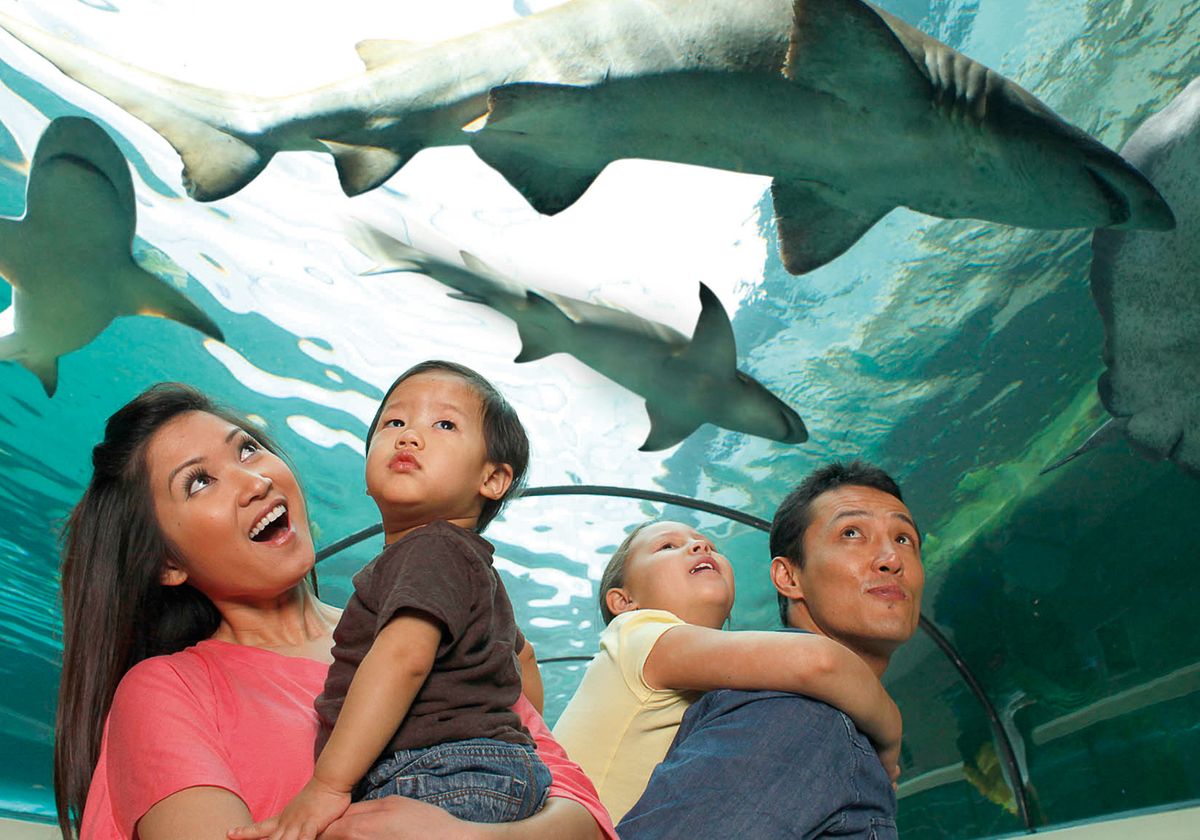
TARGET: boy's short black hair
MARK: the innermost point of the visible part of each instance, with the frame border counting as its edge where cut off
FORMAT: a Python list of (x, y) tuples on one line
[(794, 514), (503, 434)]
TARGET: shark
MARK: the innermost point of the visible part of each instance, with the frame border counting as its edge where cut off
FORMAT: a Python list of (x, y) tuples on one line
[(1146, 286), (685, 382), (69, 258), (848, 109)]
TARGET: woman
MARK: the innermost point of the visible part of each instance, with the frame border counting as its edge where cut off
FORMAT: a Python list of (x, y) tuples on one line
[(193, 646)]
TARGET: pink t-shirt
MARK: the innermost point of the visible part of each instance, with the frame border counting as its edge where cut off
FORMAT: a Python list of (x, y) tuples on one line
[(241, 718)]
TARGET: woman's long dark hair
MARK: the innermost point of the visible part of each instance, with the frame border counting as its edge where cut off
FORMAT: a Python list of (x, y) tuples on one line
[(116, 612)]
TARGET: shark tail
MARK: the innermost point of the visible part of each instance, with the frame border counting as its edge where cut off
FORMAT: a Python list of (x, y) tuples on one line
[(218, 158)]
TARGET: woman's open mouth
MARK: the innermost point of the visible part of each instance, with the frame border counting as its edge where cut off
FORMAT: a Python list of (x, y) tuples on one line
[(272, 525)]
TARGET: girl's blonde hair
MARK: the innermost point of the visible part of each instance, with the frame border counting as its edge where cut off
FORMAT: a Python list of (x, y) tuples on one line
[(614, 572)]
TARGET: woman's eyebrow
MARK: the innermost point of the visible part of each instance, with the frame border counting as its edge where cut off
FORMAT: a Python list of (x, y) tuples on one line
[(200, 458)]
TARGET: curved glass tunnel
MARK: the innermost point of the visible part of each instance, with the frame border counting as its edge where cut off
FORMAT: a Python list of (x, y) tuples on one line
[(960, 355)]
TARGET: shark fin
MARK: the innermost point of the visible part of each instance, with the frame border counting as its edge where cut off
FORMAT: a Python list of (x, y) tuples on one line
[(1112, 428), (363, 168), (665, 430), (46, 370), (216, 162), (467, 297), (528, 124), (149, 295), (379, 52), (836, 46), (389, 253), (534, 343), (475, 264), (813, 226), (712, 340)]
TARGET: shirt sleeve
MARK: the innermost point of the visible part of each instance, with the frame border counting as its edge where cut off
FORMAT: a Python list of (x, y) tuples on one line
[(162, 737), (567, 780), (431, 574), (631, 636)]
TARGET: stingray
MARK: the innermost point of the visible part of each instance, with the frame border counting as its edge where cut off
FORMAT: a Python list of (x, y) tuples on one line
[(69, 258), (685, 382), (851, 112), (1147, 288)]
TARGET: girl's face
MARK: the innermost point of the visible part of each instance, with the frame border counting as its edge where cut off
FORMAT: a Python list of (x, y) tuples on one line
[(232, 510), (673, 567)]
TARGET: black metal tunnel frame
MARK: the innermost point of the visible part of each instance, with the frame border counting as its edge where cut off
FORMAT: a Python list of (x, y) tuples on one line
[(1007, 753)]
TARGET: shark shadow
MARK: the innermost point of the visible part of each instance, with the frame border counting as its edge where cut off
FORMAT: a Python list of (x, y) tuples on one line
[(69, 258), (1146, 286), (685, 382), (851, 112)]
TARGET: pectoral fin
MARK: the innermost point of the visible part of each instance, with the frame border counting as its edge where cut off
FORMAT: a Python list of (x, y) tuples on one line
[(46, 370), (1112, 429), (814, 226), (532, 138), (146, 294), (665, 430)]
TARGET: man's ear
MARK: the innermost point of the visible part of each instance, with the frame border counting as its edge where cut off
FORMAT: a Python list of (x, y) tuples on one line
[(171, 574), (619, 601), (497, 481), (786, 578)]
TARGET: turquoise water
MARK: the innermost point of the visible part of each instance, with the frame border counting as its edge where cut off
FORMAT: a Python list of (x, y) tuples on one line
[(960, 355)]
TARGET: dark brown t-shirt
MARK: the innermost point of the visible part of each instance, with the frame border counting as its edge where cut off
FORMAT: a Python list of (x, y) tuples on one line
[(445, 571)]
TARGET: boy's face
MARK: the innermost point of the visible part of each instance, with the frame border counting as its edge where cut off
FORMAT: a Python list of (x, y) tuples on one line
[(428, 458)]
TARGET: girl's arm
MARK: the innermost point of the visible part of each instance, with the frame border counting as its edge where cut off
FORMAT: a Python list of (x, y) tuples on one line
[(195, 813), (383, 688), (531, 677), (700, 658)]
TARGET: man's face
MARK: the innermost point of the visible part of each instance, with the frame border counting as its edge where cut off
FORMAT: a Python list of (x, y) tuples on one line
[(862, 578)]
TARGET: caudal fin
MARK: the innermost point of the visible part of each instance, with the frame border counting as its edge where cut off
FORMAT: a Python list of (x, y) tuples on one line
[(199, 122)]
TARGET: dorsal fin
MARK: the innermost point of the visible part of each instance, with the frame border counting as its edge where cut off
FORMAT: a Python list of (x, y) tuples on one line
[(837, 46), (378, 52), (712, 340)]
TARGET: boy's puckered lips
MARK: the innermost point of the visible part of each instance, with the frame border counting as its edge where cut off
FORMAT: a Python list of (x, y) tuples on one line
[(404, 462)]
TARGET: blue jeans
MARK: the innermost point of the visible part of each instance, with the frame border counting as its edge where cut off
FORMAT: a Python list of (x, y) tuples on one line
[(479, 779), (762, 765)]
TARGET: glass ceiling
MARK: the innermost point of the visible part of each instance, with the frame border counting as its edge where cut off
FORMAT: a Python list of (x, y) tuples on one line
[(960, 355)]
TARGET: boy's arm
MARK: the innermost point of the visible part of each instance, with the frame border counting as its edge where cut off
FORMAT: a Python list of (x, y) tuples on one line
[(700, 658), (531, 676), (380, 694)]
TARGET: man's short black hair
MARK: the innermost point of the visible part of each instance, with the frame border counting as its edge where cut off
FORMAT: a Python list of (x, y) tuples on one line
[(794, 514)]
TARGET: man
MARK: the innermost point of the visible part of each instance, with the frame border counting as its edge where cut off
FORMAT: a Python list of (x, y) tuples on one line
[(759, 765)]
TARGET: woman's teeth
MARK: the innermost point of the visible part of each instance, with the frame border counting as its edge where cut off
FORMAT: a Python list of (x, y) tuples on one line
[(703, 567), (272, 515)]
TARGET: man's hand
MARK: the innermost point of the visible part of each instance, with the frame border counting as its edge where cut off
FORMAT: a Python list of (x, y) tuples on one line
[(397, 818), (308, 814)]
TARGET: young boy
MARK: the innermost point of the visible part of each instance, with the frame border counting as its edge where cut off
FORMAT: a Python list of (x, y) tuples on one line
[(418, 700)]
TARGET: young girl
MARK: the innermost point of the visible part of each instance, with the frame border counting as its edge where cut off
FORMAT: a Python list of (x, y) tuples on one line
[(664, 596), (426, 653)]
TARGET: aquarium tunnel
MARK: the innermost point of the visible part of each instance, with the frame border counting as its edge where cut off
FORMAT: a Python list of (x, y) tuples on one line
[(673, 346)]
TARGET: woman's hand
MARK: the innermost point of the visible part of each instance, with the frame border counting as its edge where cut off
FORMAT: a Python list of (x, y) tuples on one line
[(397, 818), (308, 814)]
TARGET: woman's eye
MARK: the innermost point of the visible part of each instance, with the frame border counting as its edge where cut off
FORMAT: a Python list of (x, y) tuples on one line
[(850, 532), (248, 448), (196, 482), (667, 545), (448, 425), (905, 539)]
